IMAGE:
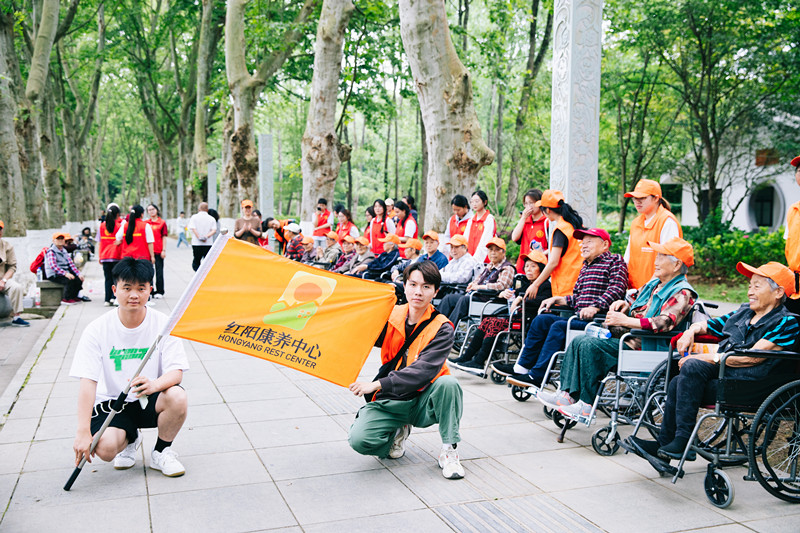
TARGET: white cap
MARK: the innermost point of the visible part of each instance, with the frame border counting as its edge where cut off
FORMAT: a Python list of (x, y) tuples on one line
[(293, 227)]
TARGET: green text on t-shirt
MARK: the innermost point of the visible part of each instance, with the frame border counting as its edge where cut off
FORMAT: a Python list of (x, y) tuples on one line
[(126, 353)]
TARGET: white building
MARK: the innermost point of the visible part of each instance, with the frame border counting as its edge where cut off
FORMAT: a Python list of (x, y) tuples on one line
[(766, 187)]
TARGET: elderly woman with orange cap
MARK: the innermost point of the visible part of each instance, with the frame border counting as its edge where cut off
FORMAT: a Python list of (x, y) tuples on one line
[(480, 346), (564, 257), (761, 324), (655, 223), (660, 305), (792, 236)]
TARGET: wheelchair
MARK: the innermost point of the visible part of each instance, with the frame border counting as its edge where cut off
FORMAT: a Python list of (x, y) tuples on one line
[(753, 422), (508, 343), (622, 395)]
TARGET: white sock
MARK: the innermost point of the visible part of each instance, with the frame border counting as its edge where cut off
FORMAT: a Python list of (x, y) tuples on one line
[(519, 369), (448, 447)]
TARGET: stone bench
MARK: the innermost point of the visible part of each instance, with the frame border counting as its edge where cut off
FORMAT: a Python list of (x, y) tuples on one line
[(5, 306), (50, 296)]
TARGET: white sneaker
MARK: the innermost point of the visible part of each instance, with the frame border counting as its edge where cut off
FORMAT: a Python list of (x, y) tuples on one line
[(127, 457), (398, 449), (167, 462), (158, 296), (107, 304), (555, 399), (449, 463)]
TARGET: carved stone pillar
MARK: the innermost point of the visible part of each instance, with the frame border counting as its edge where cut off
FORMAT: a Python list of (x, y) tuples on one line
[(575, 120)]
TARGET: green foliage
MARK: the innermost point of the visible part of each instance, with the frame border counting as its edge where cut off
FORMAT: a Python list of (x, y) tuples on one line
[(717, 257), (712, 227)]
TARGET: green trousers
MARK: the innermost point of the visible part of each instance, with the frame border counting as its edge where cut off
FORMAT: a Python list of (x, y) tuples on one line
[(586, 362), (376, 423)]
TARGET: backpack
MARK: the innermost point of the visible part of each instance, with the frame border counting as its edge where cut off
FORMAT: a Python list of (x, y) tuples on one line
[(38, 262)]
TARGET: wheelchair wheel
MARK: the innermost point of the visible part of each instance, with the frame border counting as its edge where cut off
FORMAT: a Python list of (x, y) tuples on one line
[(548, 412), (520, 394), (560, 420), (601, 446), (774, 449), (497, 378), (718, 486), (655, 412)]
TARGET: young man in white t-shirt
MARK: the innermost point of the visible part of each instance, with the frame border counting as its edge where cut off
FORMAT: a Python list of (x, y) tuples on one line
[(108, 354)]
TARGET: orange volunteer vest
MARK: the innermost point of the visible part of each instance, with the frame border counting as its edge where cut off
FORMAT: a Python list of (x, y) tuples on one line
[(396, 337), (641, 263), (564, 276), (793, 239)]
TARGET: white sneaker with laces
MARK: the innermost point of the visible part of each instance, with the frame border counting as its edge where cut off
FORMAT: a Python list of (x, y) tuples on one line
[(167, 462), (555, 399), (398, 449), (127, 457), (578, 411), (450, 464)]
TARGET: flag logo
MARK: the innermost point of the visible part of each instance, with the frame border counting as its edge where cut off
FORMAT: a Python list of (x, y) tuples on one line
[(302, 298)]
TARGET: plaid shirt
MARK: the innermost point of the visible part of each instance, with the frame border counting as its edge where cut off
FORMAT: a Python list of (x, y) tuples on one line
[(460, 270), (295, 250), (600, 282), (52, 263), (494, 280)]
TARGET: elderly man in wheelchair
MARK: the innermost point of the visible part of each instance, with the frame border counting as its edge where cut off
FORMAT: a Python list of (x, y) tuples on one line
[(761, 324), (661, 304)]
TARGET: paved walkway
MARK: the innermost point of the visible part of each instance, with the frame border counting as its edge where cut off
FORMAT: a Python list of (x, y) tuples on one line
[(265, 449)]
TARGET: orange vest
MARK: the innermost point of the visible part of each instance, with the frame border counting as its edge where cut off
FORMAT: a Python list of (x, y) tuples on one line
[(401, 232), (641, 263), (564, 276), (396, 337), (793, 239), (138, 246), (109, 251), (322, 219), (457, 228)]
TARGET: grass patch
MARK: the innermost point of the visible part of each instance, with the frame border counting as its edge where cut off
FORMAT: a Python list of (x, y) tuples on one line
[(720, 291)]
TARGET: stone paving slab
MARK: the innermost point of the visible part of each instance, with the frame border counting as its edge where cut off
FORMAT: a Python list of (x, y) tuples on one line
[(265, 450)]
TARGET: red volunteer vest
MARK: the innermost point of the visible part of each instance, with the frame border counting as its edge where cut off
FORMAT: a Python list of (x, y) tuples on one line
[(138, 246), (109, 251), (159, 231), (322, 219)]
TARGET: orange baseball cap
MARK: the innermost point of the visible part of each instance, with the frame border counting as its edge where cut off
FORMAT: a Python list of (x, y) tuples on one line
[(2, 225), (412, 243), (332, 235), (496, 241), (61, 235), (391, 238), (644, 189), (796, 161), (432, 235), (349, 239), (675, 247), (458, 240), (247, 203), (307, 240), (363, 241), (536, 256), (551, 199), (777, 272)]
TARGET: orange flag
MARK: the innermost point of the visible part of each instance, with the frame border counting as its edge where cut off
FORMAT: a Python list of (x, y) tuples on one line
[(250, 300)]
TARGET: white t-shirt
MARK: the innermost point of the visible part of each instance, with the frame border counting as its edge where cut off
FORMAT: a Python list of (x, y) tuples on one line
[(203, 223), (109, 353)]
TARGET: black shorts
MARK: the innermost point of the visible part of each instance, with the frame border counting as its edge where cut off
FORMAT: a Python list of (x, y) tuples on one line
[(131, 418)]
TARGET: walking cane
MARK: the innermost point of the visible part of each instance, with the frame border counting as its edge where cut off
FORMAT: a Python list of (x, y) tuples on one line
[(116, 408)]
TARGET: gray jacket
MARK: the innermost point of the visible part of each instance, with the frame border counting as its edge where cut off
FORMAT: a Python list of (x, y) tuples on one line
[(359, 260)]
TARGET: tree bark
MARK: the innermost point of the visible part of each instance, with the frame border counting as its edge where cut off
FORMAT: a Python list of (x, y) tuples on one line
[(322, 152), (43, 45), (423, 175), (242, 168), (444, 88), (12, 200), (535, 60)]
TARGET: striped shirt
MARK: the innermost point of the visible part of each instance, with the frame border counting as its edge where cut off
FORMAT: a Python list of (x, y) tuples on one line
[(600, 283), (460, 270), (777, 327)]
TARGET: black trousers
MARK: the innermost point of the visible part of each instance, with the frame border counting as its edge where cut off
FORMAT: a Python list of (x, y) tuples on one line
[(694, 386), (71, 286), (108, 267), (198, 253), (160, 273)]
